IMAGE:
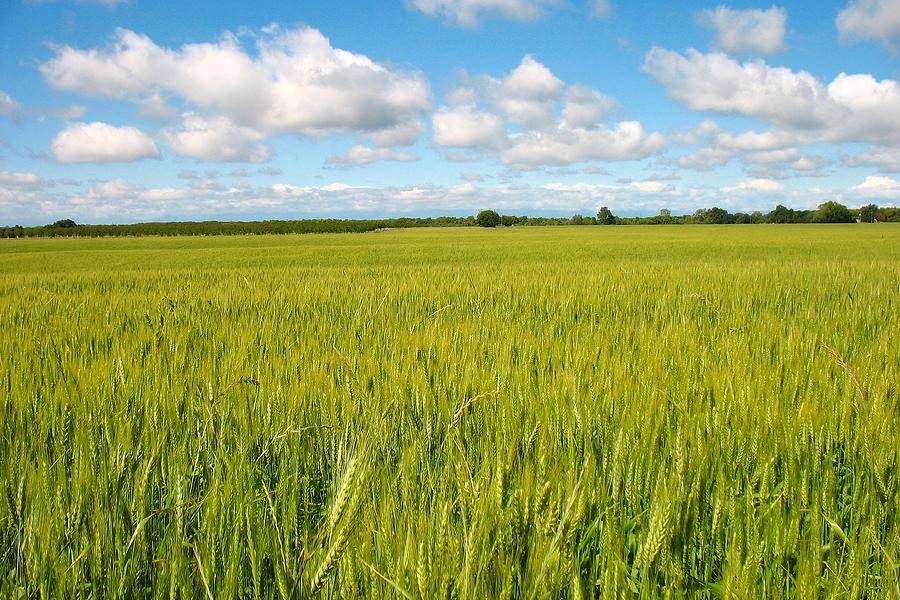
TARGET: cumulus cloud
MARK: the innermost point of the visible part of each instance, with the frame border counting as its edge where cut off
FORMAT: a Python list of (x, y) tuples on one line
[(295, 83), (626, 141), (99, 142), (530, 118), (877, 20), (851, 108), (8, 107), (216, 139), (747, 31), (364, 155), (467, 127), (877, 186), (471, 13)]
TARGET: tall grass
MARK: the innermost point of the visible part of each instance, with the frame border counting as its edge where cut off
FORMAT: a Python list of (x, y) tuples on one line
[(564, 413)]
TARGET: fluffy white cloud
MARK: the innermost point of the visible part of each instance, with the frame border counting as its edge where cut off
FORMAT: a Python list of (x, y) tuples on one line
[(296, 83), (874, 182), (627, 141), (747, 31), (756, 185), (716, 82), (471, 13), (16, 179), (216, 139), (364, 155), (584, 106), (870, 20), (876, 186), (8, 106), (531, 80), (852, 108), (467, 127), (530, 118), (102, 143)]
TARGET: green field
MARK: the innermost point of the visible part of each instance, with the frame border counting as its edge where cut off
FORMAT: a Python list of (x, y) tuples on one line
[(565, 412)]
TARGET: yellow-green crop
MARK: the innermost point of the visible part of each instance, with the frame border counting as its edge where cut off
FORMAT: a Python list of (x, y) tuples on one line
[(568, 412)]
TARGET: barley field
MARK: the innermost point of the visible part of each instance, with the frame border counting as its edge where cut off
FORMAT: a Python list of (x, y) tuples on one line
[(563, 412)]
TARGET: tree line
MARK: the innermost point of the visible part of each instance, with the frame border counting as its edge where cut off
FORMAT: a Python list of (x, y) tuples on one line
[(828, 212), (68, 227)]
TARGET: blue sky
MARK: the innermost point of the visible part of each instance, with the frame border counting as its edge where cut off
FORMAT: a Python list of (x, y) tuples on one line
[(115, 111)]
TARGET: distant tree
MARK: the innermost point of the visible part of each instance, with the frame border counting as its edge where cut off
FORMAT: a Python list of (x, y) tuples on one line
[(868, 213), (833, 212), (888, 214), (488, 218), (576, 219), (717, 216), (508, 220), (605, 216), (63, 223), (665, 213), (781, 214)]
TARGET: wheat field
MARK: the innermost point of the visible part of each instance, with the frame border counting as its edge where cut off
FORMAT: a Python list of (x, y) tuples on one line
[(561, 412)]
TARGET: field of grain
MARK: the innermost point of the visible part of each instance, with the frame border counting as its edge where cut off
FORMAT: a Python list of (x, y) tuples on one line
[(568, 412)]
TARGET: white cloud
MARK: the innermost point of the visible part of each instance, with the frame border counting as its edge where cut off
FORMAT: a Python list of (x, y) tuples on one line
[(163, 194), (102, 143), (653, 187), (756, 185), (530, 118), (467, 127), (156, 108), (531, 80), (216, 139), (716, 82), (584, 106), (747, 31), (877, 186), (364, 155), (852, 108), (706, 158), (15, 179), (627, 141), (296, 83), (877, 182), (886, 159), (877, 20), (471, 13), (337, 187), (8, 107)]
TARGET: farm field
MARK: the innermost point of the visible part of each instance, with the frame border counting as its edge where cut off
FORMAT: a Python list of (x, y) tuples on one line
[(562, 412)]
